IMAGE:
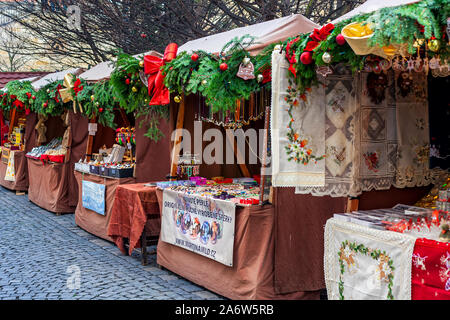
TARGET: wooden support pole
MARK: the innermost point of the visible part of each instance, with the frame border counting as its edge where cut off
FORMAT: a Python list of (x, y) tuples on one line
[(178, 136), (352, 204)]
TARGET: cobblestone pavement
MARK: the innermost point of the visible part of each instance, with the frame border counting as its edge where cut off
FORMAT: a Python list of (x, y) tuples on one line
[(42, 254)]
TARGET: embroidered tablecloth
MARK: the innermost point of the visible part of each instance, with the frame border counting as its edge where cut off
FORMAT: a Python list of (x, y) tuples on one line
[(366, 264)]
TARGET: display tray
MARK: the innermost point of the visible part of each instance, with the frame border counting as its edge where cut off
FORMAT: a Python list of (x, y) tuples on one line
[(121, 173), (95, 174)]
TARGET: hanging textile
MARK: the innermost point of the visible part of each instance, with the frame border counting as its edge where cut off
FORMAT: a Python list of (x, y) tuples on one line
[(297, 130), (10, 174), (340, 106), (377, 133)]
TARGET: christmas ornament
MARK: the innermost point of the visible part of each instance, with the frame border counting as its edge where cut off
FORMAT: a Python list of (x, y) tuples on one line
[(277, 47), (434, 63), (223, 66), (306, 57), (204, 82), (260, 78), (143, 35), (48, 90), (33, 97), (194, 57), (100, 110), (434, 45), (45, 104), (92, 98), (134, 89), (376, 87), (141, 63), (340, 40), (324, 70), (246, 61), (405, 83), (326, 57), (127, 81), (177, 99), (246, 69)]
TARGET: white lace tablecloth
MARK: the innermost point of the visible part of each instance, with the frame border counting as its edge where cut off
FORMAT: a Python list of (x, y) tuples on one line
[(366, 264)]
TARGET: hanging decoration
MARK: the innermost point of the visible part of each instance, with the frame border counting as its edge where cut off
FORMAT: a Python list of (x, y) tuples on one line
[(246, 69), (376, 86)]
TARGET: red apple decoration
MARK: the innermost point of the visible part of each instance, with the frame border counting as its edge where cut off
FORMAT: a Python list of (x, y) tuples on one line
[(340, 40), (223, 66), (194, 57), (306, 57)]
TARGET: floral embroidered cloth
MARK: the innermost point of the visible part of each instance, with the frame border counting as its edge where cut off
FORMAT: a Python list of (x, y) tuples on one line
[(366, 264), (377, 133), (10, 174), (431, 270), (297, 130)]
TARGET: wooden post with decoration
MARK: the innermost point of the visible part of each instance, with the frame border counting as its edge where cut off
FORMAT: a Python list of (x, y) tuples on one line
[(178, 136), (90, 142)]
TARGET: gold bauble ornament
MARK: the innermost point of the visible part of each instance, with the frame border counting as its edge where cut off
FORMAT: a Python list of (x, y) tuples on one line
[(141, 63), (434, 45), (134, 89), (326, 57), (177, 99)]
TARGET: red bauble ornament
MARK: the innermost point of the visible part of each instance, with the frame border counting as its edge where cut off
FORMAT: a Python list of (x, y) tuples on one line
[(340, 40), (127, 81), (306, 57), (45, 104), (143, 35), (100, 110), (194, 57), (33, 97), (223, 66)]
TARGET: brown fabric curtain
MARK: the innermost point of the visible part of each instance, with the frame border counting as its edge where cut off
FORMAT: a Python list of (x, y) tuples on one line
[(21, 173)]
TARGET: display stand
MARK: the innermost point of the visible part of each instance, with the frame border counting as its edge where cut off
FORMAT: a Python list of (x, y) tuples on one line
[(21, 173), (52, 186), (89, 220)]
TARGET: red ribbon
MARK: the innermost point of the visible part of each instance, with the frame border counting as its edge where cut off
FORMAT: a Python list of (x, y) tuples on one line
[(152, 67)]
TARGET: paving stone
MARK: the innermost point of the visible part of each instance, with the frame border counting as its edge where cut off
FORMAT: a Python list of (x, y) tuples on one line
[(57, 251)]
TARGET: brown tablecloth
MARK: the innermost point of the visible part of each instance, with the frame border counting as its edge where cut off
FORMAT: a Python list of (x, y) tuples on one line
[(21, 173), (89, 220), (49, 185), (135, 205), (252, 274)]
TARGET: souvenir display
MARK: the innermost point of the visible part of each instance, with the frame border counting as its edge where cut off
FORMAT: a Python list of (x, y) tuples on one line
[(53, 152), (188, 166), (242, 192)]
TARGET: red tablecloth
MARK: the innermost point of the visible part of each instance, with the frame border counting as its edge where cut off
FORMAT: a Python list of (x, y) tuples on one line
[(430, 270), (135, 206)]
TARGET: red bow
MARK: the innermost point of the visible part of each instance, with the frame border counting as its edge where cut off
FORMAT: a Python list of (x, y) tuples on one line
[(152, 67)]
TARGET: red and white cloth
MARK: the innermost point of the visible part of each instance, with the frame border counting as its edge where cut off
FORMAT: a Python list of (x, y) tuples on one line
[(430, 270)]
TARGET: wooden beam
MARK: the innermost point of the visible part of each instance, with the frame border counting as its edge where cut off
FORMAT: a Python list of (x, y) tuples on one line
[(178, 135)]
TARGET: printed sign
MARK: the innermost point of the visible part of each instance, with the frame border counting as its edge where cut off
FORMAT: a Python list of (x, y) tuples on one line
[(199, 224), (93, 196)]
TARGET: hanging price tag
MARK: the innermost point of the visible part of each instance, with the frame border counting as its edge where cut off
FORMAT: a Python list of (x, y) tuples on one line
[(92, 128)]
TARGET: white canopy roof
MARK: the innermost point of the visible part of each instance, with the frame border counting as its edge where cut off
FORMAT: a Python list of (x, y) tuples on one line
[(266, 33), (103, 70), (52, 77), (371, 6)]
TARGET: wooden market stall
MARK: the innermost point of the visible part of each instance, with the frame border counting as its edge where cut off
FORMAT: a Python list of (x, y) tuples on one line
[(16, 137), (261, 258), (144, 152), (52, 185)]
